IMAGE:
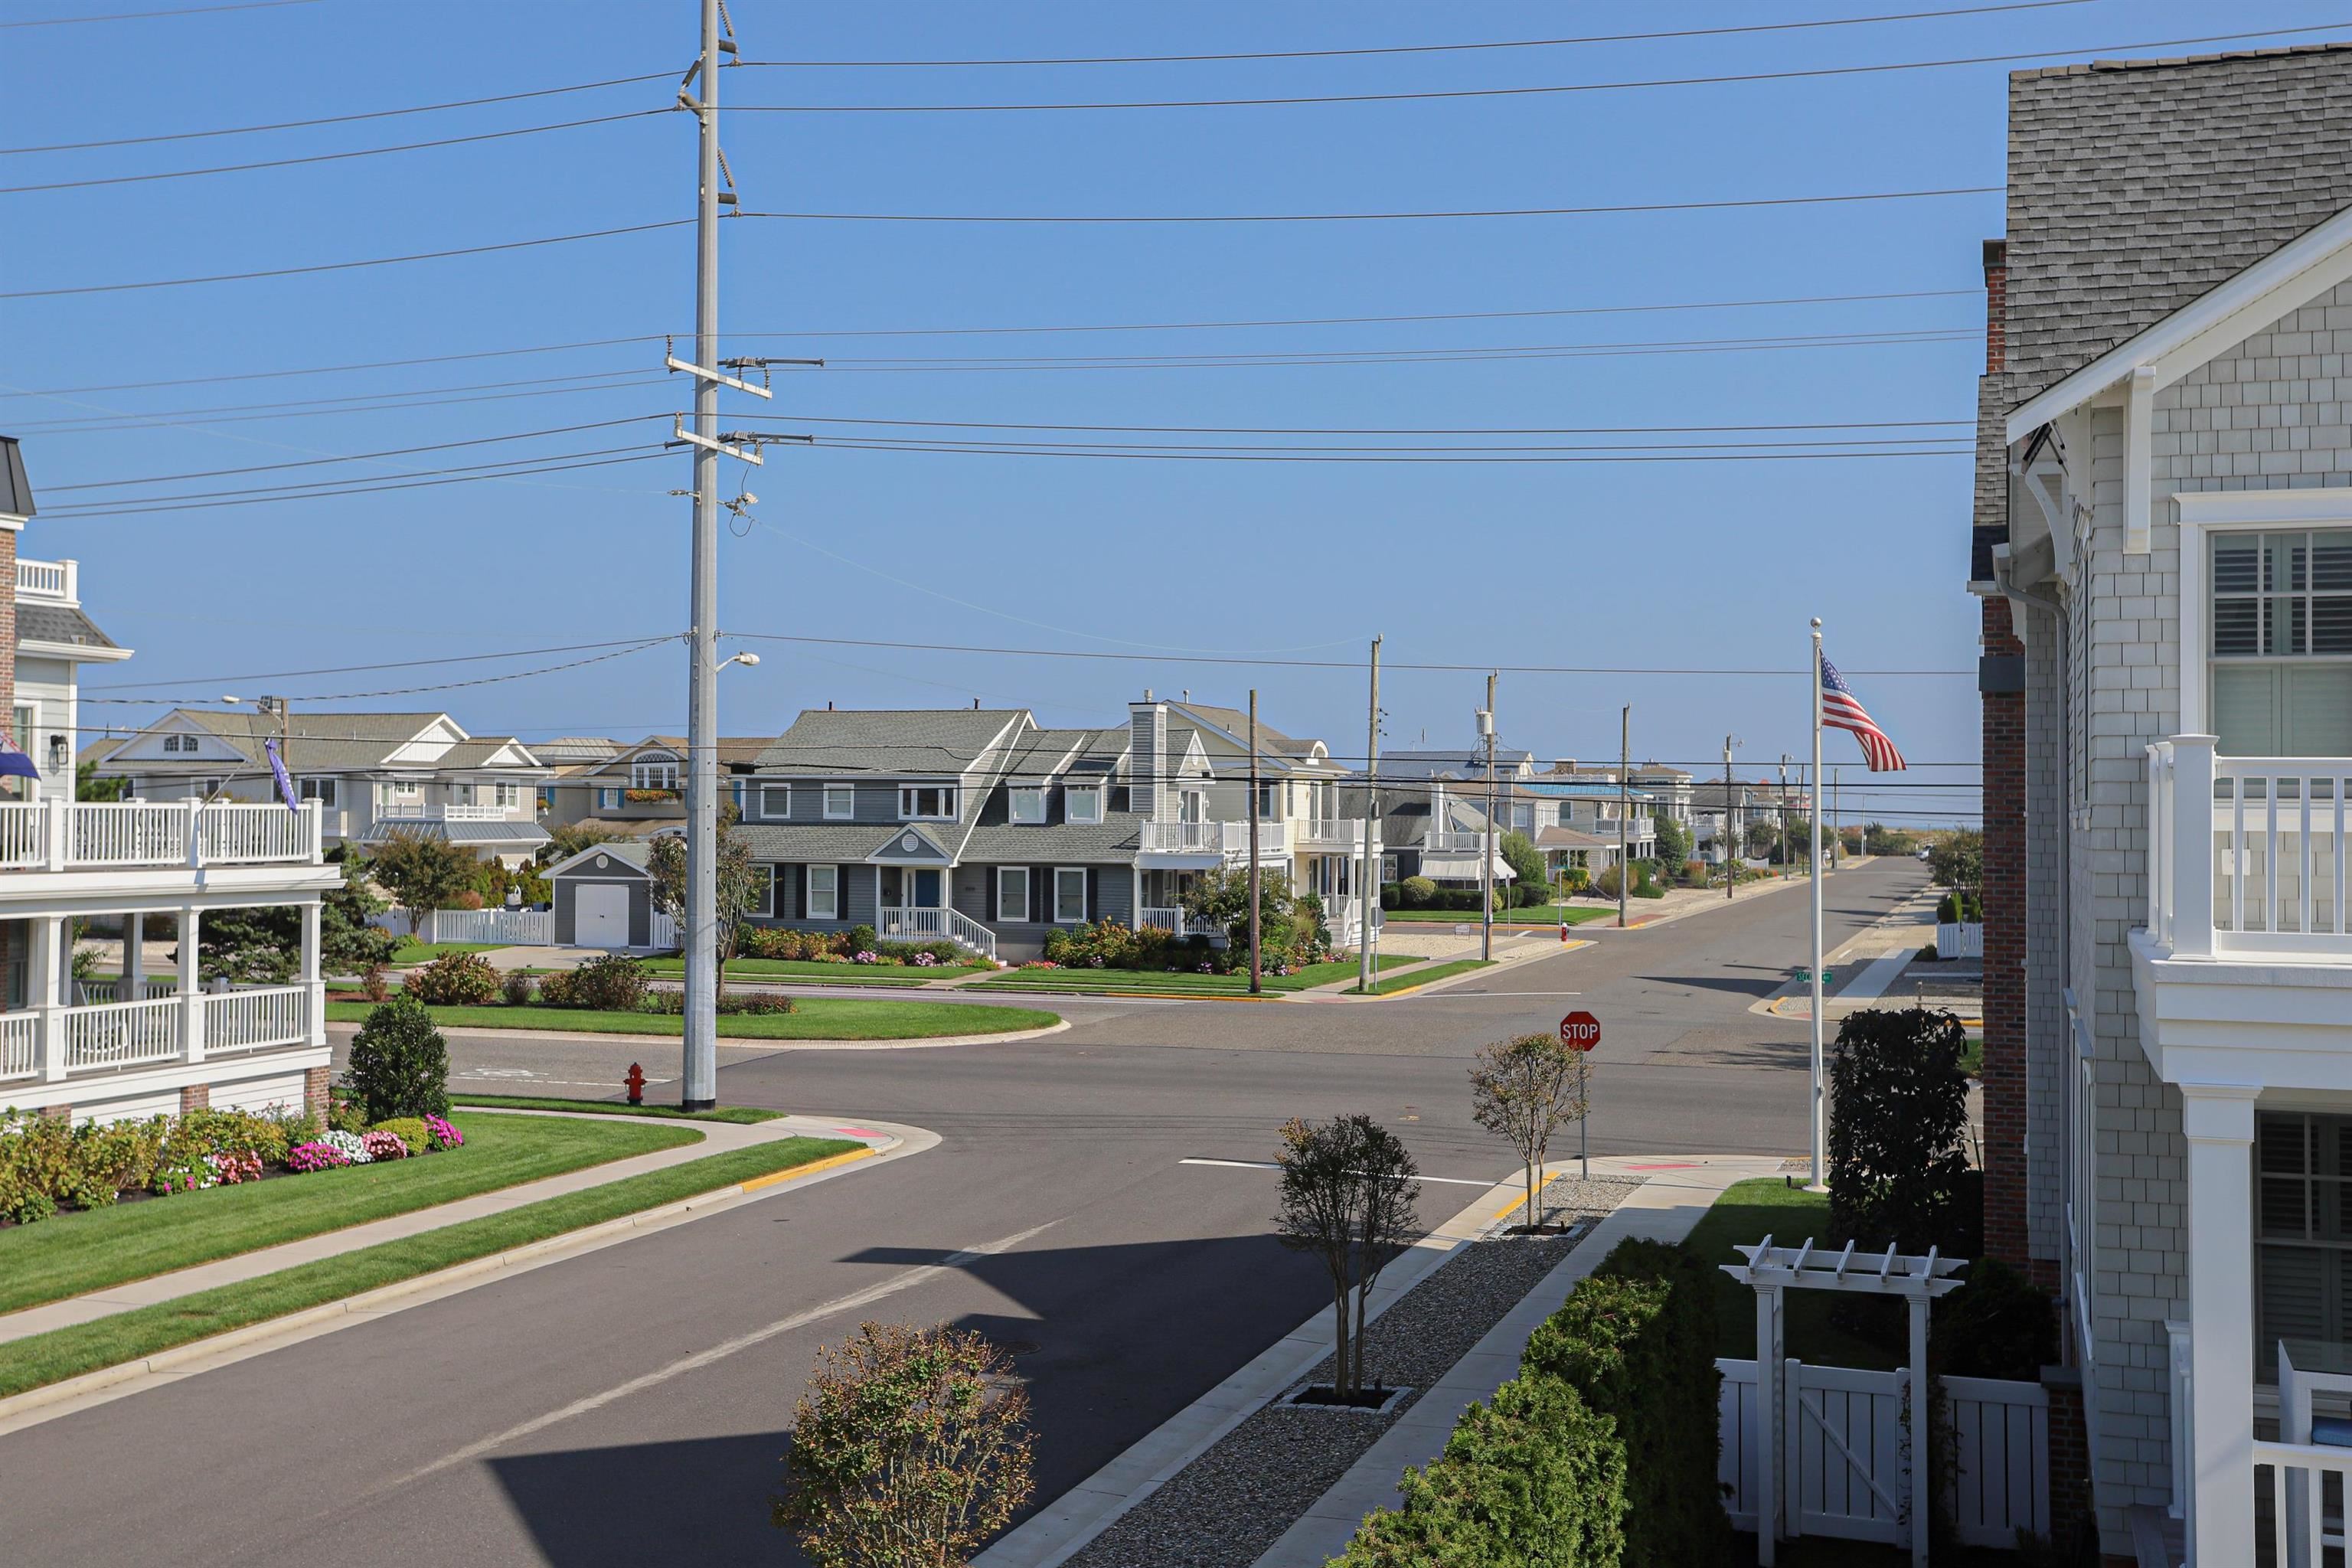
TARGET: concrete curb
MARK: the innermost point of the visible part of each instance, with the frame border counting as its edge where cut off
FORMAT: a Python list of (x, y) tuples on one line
[(344, 1031), (105, 1385)]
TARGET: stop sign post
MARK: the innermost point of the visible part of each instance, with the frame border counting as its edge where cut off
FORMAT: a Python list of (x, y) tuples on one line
[(1581, 1032)]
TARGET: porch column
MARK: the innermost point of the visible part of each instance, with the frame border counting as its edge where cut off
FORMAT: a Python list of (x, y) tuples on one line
[(192, 1000), (49, 934), (314, 983), (133, 988), (2219, 1119)]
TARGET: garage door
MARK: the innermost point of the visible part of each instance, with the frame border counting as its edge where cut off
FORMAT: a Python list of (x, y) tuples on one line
[(600, 915)]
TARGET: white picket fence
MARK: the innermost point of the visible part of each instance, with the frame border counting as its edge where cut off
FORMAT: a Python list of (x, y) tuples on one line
[(1963, 940), (509, 928), (1852, 1470)]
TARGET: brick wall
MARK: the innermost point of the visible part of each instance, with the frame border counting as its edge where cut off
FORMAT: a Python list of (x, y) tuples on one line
[(2004, 952)]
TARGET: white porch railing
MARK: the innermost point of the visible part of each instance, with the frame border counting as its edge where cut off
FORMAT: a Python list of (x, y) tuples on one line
[(1226, 839), (1457, 840), (2300, 1491), (48, 580), (121, 1033), (2246, 853), (1174, 922), (415, 811), (932, 925), (61, 836), (20, 1045), (257, 1019), (1335, 832)]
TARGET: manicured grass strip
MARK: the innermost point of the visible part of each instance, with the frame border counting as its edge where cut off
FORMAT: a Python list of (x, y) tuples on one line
[(1746, 1214), (74, 1253), (812, 1018), (426, 951), (831, 973), (1180, 984), (1534, 914), (740, 1115), (1422, 976), (67, 1352)]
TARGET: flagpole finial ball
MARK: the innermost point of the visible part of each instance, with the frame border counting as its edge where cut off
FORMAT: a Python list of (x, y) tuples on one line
[(1817, 623)]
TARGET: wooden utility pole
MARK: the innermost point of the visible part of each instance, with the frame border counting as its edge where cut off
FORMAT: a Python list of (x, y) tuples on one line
[(1256, 959), (1730, 837)]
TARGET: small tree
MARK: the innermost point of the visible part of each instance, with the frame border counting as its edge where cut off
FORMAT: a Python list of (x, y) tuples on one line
[(1524, 1089), (1527, 864), (909, 1448), (739, 884), (400, 1063), (1222, 897), (1674, 839), (1898, 1119), (87, 785), (421, 872), (1349, 1192), (1957, 860)]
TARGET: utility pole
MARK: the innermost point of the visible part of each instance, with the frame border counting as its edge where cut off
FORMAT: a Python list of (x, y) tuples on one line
[(1837, 845), (1783, 834), (1487, 859), (1624, 803), (1369, 884), (1257, 964), (1730, 834)]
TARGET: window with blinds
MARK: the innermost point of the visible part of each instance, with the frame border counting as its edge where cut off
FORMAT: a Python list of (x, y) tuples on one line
[(2303, 1229), (2282, 674)]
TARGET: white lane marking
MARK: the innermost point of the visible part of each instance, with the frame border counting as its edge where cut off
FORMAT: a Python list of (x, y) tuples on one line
[(1269, 1165), (880, 1291)]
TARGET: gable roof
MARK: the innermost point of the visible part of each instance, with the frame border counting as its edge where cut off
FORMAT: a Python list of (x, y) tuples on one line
[(2137, 187), (630, 857), (1234, 722), (330, 742), (883, 742)]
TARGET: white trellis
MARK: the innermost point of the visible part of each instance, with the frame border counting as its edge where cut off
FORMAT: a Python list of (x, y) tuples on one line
[(1770, 1270)]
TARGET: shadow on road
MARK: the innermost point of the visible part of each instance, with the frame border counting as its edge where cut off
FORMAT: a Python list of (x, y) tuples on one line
[(1762, 985)]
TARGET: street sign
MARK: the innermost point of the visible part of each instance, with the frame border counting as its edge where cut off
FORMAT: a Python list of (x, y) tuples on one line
[(1579, 1031)]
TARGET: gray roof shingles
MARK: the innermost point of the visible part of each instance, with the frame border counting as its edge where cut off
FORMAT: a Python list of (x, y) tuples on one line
[(37, 622), (920, 741)]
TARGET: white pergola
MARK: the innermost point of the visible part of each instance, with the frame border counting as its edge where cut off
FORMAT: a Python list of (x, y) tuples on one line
[(1771, 1270)]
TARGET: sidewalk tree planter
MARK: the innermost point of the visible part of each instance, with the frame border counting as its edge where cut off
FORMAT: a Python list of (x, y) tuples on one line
[(1350, 1194)]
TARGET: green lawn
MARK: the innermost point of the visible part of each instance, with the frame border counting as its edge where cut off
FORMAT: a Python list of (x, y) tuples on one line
[(740, 1115), (73, 1253), (831, 973), (812, 1018), (41, 1358), (1422, 976), (1188, 984), (1748, 1213), (1534, 914), (412, 952)]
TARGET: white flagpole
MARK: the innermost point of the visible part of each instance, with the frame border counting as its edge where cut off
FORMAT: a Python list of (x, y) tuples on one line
[(1818, 1104)]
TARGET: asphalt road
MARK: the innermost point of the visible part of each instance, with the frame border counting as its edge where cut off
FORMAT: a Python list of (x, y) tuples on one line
[(628, 1407)]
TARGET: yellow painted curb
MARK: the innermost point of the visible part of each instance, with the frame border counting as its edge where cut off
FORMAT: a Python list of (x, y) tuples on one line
[(827, 1163)]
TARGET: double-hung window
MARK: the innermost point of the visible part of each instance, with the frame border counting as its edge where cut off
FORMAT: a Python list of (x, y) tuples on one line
[(608, 800), (2282, 643), (775, 800), (1069, 895), (321, 790), (763, 889), (840, 802), (1012, 894), (2303, 1232), (508, 794), (1083, 804), (927, 802), (1028, 803), (825, 892)]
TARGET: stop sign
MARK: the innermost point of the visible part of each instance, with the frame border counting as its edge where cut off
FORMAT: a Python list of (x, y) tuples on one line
[(1579, 1031)]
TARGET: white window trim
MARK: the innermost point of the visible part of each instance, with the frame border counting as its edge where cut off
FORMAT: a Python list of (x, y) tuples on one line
[(507, 793), (769, 806), (1059, 872), (1070, 792), (765, 908), (2207, 513), (832, 894), (653, 775), (947, 798), (322, 788), (1012, 804), (832, 815), (608, 798), (1028, 913)]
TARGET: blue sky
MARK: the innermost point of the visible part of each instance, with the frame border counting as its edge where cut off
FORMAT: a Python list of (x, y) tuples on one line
[(1712, 565)]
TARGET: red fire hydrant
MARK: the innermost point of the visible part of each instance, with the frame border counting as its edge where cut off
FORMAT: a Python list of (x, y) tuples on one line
[(637, 1084)]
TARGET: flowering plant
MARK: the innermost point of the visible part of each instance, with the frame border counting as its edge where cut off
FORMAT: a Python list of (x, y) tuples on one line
[(441, 1135), (869, 956), (349, 1145), (232, 1168), (382, 1145), (1041, 963), (925, 961), (319, 1155), (185, 1173)]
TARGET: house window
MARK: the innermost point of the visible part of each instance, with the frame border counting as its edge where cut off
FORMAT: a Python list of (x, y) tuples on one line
[(825, 892), (775, 800), (508, 794), (170, 742), (1082, 804), (1069, 895), (2303, 1230), (1191, 806), (763, 889), (2282, 644), (1269, 803), (934, 802), (321, 790), (840, 802), (1028, 804), (1012, 893), (1387, 868), (406, 789), (608, 800), (653, 775)]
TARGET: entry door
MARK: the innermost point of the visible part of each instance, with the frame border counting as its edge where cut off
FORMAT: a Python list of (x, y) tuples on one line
[(600, 915), (923, 889)]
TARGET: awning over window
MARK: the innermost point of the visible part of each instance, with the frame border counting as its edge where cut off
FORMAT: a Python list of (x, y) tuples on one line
[(1460, 866)]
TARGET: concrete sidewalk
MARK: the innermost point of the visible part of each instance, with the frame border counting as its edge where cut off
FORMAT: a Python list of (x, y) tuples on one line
[(719, 1138)]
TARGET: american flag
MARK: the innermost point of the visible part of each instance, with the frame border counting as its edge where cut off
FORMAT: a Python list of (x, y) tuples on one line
[(1840, 709)]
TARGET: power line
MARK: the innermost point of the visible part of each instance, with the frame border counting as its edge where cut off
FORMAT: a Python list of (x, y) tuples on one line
[(1374, 429), (102, 425), (325, 157), (403, 691), (1553, 89), (341, 369), (1244, 454), (146, 16), (349, 457), (157, 504), (1281, 356), (1417, 49), (360, 669), (343, 266), (1337, 217), (369, 398)]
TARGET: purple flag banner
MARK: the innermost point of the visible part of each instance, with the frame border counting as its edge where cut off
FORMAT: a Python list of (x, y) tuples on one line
[(278, 772)]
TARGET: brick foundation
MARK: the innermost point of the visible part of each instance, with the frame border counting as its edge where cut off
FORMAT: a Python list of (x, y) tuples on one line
[(58, 1113), (314, 1091), (2070, 1456), (196, 1096)]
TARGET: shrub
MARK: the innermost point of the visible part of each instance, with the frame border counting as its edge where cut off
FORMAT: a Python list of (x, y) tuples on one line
[(1998, 1324), (610, 983), (1960, 909), (35, 1165), (1898, 1119), (664, 999), (1607, 881), (1417, 892), (1576, 879), (859, 940), (555, 990), (318, 1155), (382, 1145), (351, 1146), (454, 980), (114, 1159), (399, 1063), (442, 1134), (375, 986), (471, 898), (518, 989), (229, 1170), (410, 1130)]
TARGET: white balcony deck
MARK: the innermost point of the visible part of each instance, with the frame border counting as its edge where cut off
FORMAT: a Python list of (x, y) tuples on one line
[(56, 582), (61, 1044), (1333, 833), (1230, 839), (412, 811), (71, 836), (2246, 854)]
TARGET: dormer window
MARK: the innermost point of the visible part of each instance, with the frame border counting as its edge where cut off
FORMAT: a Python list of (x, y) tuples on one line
[(927, 802), (179, 743), (1083, 803), (653, 775), (1028, 802)]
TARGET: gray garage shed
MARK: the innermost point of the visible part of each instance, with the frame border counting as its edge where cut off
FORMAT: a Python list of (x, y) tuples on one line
[(605, 897)]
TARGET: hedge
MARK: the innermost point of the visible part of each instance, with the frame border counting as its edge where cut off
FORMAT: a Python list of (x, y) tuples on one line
[(1600, 1453)]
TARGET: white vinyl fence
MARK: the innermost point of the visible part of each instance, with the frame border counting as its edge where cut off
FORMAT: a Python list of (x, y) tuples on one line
[(1960, 941), (509, 928), (1851, 1471)]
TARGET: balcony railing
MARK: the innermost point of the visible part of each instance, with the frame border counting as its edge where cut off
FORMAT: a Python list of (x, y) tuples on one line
[(1333, 832), (65, 835), (2246, 853), (925, 924), (49, 579), (1457, 840), (1226, 839), (415, 811), (57, 1042)]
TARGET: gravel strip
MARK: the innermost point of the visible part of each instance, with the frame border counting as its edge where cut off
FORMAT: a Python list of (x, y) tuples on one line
[(1225, 1507)]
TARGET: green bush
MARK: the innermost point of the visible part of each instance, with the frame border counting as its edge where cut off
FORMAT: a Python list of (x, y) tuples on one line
[(1998, 1324), (1898, 1125), (1535, 1478), (518, 989), (1417, 893), (613, 983), (1106, 944), (36, 1164), (731, 1004), (555, 990), (454, 980), (1960, 909), (859, 940), (400, 1063), (409, 1129), (1636, 1341)]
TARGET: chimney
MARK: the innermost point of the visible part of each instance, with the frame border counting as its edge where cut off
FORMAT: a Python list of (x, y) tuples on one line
[(828, 704), (1996, 275)]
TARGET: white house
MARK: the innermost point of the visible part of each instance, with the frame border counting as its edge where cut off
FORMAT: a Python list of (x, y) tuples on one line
[(2164, 545), (167, 1044)]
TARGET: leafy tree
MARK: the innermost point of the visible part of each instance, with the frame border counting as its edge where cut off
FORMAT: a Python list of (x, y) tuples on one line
[(1957, 860), (1674, 839), (87, 785), (1898, 1123), (421, 872), (400, 1063), (739, 884), (1350, 1189), (1527, 863), (570, 838), (1222, 897), (348, 944), (264, 946), (1524, 1089), (1880, 839), (909, 1448)]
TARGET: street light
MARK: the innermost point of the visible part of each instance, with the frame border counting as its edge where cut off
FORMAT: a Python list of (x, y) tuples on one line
[(748, 660)]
